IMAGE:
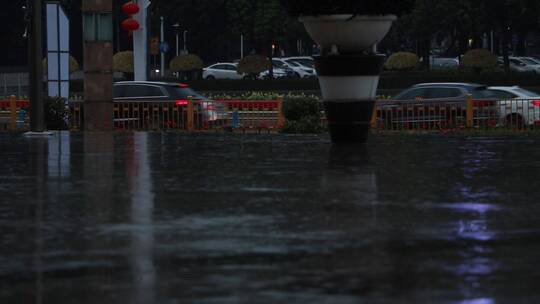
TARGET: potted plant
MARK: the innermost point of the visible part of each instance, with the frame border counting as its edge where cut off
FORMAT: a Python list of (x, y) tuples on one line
[(348, 69)]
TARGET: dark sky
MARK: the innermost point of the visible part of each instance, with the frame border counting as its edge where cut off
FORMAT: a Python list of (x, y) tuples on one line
[(12, 45), (13, 50)]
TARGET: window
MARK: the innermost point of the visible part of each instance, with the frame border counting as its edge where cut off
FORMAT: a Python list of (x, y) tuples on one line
[(277, 64), (230, 67), (118, 91), (443, 93), (412, 94), (502, 94), (98, 27), (517, 62), (141, 91), (220, 67)]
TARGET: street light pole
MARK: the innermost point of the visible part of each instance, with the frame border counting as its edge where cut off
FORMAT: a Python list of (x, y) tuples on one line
[(176, 30), (37, 119), (162, 51), (185, 43)]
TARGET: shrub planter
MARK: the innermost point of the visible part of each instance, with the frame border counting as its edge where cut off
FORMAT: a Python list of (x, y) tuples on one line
[(348, 70), (349, 87), (350, 33)]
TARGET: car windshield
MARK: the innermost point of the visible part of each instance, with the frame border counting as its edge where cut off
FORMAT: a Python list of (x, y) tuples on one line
[(305, 62), (294, 63), (184, 93), (529, 61), (482, 93), (526, 92)]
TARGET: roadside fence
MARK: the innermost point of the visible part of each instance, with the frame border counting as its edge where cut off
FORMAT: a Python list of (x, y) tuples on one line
[(13, 113), (518, 114), (190, 115)]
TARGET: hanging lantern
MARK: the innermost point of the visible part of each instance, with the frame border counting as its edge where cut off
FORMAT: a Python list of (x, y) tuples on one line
[(130, 8), (130, 25)]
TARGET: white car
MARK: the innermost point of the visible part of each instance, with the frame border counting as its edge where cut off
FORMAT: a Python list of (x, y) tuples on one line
[(517, 106), (518, 64), (222, 71), (278, 73), (299, 70), (532, 63), (303, 60)]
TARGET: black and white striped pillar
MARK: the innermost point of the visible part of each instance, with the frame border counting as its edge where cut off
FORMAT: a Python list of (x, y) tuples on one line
[(349, 89)]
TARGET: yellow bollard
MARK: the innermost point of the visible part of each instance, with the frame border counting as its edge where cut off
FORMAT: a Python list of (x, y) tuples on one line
[(470, 111), (13, 112), (190, 114), (373, 121), (281, 116)]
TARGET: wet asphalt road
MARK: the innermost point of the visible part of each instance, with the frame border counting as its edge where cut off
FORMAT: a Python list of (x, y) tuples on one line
[(177, 218)]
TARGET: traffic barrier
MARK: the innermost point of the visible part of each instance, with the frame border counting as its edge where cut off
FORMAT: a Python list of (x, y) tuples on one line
[(13, 113), (516, 114), (190, 115)]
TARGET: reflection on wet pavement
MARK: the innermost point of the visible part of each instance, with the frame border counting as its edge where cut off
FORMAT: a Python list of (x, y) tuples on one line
[(175, 218)]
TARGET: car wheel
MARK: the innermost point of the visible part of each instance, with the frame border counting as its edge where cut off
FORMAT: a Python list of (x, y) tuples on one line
[(210, 77), (297, 75), (515, 121)]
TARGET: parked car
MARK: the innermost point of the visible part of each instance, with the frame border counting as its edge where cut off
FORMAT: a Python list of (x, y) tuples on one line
[(517, 106), (436, 105), (303, 60), (165, 92), (443, 63), (298, 70), (445, 92), (519, 65), (278, 74), (225, 70)]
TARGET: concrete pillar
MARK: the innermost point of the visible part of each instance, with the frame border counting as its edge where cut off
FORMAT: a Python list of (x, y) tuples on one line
[(98, 72)]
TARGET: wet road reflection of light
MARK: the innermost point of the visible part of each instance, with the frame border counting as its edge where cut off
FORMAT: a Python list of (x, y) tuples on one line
[(142, 206), (477, 301), (228, 218)]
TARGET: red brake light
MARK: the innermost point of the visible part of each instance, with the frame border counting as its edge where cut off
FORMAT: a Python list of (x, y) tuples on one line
[(181, 102), (183, 85), (536, 103)]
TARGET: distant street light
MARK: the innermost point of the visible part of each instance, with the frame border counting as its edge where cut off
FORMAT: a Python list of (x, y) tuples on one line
[(176, 27), (185, 42)]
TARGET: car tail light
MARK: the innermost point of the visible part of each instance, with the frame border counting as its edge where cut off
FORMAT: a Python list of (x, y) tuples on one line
[(183, 85), (181, 102), (536, 103)]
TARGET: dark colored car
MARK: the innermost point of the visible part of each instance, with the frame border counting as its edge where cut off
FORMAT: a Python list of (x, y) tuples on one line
[(164, 93), (445, 92), (438, 105)]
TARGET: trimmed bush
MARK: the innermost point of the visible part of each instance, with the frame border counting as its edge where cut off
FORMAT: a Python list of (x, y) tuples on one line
[(186, 63), (401, 61), (478, 60), (302, 114), (253, 65), (73, 65), (56, 113), (123, 62), (358, 7)]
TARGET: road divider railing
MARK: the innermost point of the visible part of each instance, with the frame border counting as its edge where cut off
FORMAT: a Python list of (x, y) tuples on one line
[(13, 113), (468, 113), (190, 115)]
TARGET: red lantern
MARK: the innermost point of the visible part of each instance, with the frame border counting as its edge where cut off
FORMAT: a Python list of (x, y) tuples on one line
[(130, 8), (130, 25)]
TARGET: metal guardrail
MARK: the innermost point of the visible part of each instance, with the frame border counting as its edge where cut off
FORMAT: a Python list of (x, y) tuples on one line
[(462, 114), (13, 114), (190, 115)]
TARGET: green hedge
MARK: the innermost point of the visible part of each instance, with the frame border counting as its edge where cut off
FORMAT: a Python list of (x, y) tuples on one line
[(302, 114), (390, 81)]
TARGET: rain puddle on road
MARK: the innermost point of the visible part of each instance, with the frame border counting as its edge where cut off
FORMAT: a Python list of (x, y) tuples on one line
[(224, 218)]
